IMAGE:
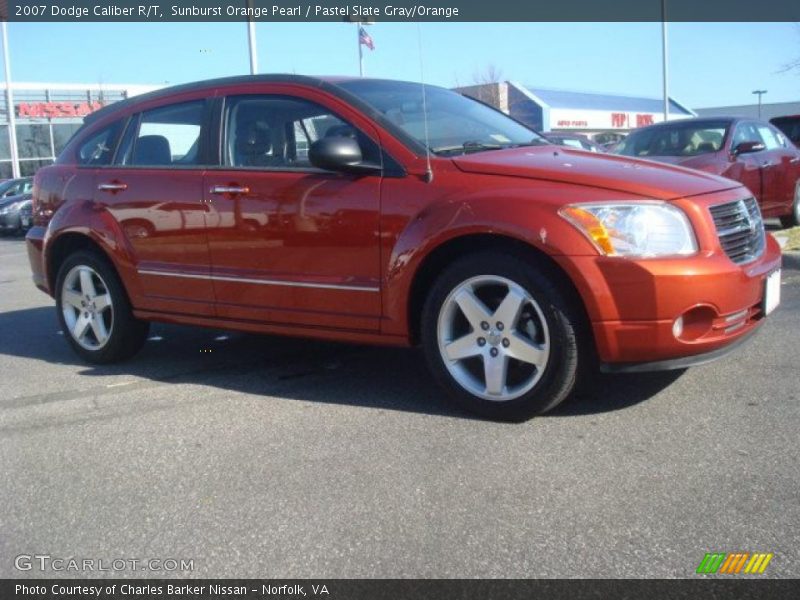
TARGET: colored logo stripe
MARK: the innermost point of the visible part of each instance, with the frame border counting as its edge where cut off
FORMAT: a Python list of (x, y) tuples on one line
[(758, 563), (734, 562), (711, 563)]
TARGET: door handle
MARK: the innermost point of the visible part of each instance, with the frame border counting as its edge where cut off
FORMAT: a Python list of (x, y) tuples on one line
[(113, 187), (795, 159), (230, 189)]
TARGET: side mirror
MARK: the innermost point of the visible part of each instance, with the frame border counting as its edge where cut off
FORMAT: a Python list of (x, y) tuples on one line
[(339, 153), (748, 147)]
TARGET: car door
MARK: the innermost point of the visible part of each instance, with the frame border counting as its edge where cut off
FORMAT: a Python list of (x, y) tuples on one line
[(747, 167), (292, 244), (781, 172), (154, 192)]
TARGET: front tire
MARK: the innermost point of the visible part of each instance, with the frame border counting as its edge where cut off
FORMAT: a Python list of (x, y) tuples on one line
[(793, 219), (94, 310), (499, 334)]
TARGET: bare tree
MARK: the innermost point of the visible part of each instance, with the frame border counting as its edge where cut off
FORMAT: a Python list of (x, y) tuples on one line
[(491, 73), (486, 84)]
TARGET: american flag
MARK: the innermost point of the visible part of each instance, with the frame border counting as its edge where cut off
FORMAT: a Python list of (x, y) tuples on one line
[(364, 38)]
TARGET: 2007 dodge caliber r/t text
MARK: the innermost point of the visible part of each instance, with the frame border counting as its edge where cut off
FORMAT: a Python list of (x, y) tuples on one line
[(386, 212)]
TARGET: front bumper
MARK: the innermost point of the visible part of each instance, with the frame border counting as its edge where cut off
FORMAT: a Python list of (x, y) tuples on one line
[(678, 363), (633, 306)]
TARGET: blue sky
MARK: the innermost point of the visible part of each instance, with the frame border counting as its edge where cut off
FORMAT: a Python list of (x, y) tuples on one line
[(711, 64)]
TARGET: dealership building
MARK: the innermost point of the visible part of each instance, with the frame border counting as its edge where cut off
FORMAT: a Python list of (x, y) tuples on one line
[(45, 115), (544, 109)]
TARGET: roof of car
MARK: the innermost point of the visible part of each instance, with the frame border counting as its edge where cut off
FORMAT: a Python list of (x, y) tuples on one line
[(206, 83)]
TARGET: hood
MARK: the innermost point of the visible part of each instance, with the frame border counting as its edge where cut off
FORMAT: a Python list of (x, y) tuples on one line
[(619, 173)]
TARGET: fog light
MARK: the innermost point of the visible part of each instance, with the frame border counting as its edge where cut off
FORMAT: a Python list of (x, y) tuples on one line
[(694, 323), (677, 327)]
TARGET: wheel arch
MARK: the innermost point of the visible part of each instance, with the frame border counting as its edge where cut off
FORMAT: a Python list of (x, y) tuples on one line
[(66, 244), (475, 243)]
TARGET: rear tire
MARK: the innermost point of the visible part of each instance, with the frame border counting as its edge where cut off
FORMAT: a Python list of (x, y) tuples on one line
[(793, 219), (94, 310), (501, 337)]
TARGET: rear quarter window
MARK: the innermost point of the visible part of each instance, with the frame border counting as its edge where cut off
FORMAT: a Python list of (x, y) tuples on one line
[(98, 149)]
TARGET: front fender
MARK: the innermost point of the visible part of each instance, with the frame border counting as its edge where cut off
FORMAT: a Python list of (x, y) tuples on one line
[(520, 212)]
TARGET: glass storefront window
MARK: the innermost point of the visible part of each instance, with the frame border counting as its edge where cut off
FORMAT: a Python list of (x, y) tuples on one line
[(33, 141), (28, 167), (62, 132), (5, 146), (6, 170)]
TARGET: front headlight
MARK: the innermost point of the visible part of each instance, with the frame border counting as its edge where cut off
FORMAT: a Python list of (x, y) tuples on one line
[(634, 229)]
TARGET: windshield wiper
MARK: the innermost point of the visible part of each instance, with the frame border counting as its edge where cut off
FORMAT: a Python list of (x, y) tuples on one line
[(469, 147)]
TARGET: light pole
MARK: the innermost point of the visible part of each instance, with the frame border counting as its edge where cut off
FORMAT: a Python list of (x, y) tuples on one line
[(12, 117), (759, 93)]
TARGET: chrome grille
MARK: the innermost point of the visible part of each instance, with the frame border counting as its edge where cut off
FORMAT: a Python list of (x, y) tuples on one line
[(740, 229)]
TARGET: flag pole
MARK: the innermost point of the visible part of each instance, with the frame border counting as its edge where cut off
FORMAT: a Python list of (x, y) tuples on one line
[(360, 50)]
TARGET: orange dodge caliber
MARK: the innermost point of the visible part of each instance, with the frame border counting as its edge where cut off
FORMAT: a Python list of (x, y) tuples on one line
[(387, 212)]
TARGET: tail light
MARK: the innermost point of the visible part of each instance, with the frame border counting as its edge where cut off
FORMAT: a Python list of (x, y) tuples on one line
[(41, 208)]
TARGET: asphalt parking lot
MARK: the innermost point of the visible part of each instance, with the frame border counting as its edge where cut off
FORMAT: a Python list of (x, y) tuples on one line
[(270, 457)]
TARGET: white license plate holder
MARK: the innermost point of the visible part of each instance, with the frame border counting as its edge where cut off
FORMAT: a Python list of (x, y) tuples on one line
[(772, 291)]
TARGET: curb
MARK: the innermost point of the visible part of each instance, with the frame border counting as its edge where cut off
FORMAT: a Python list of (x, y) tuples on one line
[(791, 260)]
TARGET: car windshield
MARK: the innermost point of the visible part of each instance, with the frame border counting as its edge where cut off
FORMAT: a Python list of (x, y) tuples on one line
[(7, 185), (455, 124), (678, 139)]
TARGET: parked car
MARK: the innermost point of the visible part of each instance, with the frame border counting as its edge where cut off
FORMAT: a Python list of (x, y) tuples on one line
[(15, 213), (752, 152), (574, 140), (389, 216), (26, 214), (790, 126), (16, 187)]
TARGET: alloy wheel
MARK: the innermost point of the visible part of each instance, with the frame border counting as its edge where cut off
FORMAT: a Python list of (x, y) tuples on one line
[(87, 307), (493, 338), (797, 202)]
